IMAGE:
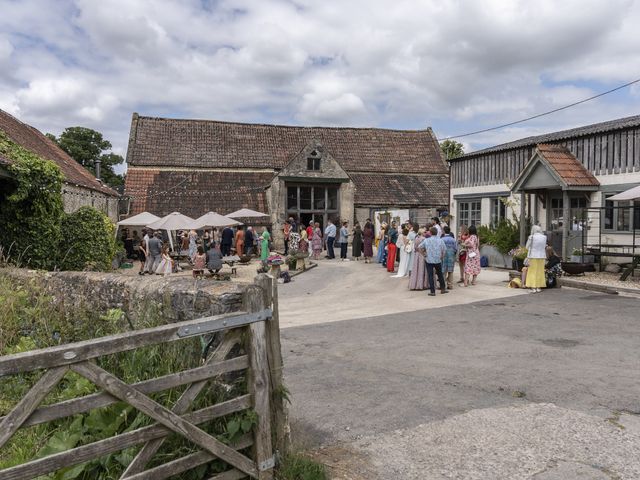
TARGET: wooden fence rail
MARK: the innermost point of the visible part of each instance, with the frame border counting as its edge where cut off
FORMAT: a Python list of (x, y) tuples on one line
[(256, 328)]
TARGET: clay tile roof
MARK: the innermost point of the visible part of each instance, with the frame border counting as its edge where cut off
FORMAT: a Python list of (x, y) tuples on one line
[(32, 139), (195, 193), (401, 190), (567, 166), (213, 144)]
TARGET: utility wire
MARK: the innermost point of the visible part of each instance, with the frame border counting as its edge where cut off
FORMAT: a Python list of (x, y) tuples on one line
[(541, 114)]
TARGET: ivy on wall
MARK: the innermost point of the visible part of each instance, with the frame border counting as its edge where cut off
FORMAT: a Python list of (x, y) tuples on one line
[(89, 240), (31, 214), (34, 230)]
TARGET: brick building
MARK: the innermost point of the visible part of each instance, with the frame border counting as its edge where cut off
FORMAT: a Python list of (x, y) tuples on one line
[(80, 187), (319, 173)]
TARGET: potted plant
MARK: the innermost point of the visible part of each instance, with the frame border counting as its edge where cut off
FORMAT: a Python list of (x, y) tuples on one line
[(578, 256), (518, 255)]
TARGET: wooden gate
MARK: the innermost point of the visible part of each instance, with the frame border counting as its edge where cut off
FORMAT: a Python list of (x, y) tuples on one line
[(254, 329)]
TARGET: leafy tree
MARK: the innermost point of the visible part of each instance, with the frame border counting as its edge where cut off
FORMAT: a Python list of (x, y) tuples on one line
[(85, 146), (451, 149)]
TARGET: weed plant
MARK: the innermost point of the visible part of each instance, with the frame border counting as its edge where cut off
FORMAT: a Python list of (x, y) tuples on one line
[(31, 319)]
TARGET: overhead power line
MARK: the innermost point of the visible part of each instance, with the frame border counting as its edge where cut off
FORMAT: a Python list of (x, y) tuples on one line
[(541, 114)]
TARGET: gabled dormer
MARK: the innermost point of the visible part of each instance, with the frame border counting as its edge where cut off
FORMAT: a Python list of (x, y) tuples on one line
[(313, 163)]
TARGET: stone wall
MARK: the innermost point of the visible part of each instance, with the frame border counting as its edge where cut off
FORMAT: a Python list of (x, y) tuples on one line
[(172, 299), (75, 197)]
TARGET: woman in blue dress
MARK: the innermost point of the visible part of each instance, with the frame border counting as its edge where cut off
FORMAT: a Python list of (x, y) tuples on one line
[(382, 243)]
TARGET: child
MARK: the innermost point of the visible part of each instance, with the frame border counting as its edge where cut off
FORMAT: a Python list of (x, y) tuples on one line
[(165, 267), (199, 262)]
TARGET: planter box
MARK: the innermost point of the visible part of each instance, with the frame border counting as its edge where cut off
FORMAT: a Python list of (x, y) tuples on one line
[(582, 259), (496, 259)]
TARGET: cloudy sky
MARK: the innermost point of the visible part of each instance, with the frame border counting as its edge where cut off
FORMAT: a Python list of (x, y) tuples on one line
[(457, 66)]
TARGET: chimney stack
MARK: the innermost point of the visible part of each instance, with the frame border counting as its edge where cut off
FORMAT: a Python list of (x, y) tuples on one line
[(97, 167)]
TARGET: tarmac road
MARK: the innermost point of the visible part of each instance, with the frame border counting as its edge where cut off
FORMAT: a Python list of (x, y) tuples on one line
[(531, 386)]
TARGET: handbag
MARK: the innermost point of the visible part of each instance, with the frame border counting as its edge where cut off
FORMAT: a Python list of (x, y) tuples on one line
[(408, 248)]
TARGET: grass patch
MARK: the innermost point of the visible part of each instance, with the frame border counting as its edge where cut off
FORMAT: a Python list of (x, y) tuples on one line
[(298, 467)]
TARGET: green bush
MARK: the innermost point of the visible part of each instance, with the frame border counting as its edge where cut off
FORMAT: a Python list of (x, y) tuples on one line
[(485, 235), (90, 242), (505, 236), (30, 215)]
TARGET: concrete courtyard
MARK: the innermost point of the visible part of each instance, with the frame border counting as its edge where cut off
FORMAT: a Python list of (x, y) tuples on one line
[(482, 383)]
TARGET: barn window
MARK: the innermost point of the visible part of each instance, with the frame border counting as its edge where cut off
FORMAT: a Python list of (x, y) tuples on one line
[(313, 163)]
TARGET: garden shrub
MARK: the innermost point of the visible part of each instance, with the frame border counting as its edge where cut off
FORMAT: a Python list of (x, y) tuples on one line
[(30, 215), (485, 234), (89, 240), (505, 236)]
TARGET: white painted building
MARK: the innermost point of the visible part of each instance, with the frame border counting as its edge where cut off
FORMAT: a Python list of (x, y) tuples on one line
[(547, 178)]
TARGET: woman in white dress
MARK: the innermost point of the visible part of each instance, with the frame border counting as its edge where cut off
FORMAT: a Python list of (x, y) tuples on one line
[(165, 267), (412, 240), (193, 244), (403, 244)]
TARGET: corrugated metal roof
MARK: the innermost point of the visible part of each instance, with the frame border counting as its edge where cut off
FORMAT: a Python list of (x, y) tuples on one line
[(611, 125)]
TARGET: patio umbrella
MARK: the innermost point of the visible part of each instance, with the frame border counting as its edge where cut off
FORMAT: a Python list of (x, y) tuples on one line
[(142, 219), (214, 220), (173, 221), (631, 194), (246, 213)]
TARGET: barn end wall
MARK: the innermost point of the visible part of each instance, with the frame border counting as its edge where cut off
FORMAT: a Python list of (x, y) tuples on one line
[(75, 197)]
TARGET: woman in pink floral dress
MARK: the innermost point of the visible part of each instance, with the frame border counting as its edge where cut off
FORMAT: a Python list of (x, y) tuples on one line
[(472, 263)]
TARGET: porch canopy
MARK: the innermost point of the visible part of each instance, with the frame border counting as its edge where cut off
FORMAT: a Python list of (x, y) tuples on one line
[(553, 167)]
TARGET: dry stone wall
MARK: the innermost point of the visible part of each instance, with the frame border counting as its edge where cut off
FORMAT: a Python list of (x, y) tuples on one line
[(171, 299)]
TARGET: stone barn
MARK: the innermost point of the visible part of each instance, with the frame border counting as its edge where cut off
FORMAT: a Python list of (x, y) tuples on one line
[(309, 173)]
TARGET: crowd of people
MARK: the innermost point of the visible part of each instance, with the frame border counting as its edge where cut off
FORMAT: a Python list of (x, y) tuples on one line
[(203, 251), (427, 256)]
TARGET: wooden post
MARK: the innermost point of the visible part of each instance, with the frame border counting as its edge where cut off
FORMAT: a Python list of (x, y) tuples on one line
[(256, 299), (278, 398), (565, 225), (523, 218)]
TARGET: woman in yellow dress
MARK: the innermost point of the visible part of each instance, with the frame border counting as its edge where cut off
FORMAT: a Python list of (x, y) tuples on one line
[(536, 256)]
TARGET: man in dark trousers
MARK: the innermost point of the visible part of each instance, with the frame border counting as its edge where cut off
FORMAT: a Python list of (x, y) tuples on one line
[(154, 254), (227, 241)]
